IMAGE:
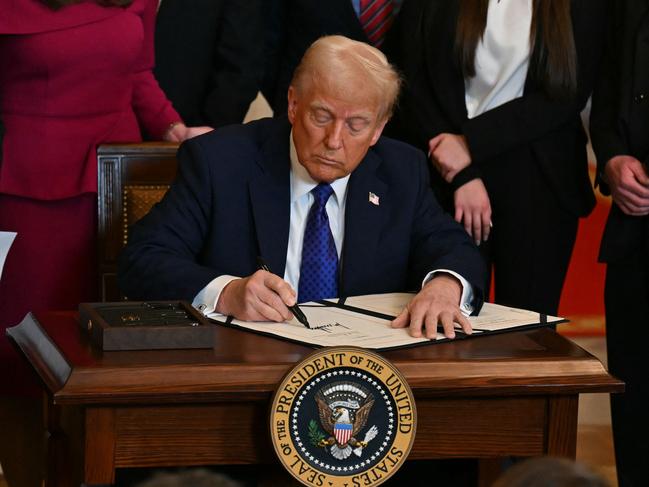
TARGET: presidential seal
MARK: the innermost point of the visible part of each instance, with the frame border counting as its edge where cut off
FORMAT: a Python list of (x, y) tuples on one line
[(343, 417)]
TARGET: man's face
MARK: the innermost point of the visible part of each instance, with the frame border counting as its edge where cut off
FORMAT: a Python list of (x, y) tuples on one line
[(331, 135)]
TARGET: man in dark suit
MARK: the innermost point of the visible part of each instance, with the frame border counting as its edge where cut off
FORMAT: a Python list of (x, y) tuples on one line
[(255, 191), (293, 25), (209, 59), (620, 133)]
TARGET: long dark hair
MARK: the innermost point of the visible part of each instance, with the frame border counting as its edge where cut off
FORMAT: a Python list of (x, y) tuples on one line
[(57, 4), (556, 62)]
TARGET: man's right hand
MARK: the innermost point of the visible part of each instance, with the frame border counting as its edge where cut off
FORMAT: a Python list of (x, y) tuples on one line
[(629, 184), (260, 297)]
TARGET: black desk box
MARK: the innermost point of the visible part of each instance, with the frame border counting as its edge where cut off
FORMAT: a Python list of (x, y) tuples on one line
[(159, 325)]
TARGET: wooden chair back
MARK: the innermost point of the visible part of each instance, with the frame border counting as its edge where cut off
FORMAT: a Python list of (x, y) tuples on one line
[(131, 179)]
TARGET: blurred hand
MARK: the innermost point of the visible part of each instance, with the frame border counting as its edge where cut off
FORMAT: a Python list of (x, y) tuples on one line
[(438, 303), (260, 297), (629, 184), (473, 209), (449, 154), (180, 132)]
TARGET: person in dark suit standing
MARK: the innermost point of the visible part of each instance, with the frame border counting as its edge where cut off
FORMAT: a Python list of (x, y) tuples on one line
[(494, 95), (209, 58), (293, 25), (620, 132), (328, 203)]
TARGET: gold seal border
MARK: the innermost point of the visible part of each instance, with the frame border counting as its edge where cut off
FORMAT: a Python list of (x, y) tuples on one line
[(330, 358)]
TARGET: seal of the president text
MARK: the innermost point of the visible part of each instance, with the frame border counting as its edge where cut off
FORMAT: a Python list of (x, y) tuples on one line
[(343, 417)]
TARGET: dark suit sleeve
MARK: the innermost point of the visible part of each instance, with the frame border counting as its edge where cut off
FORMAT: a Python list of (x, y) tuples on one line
[(237, 69), (160, 260), (606, 134), (528, 118), (438, 242)]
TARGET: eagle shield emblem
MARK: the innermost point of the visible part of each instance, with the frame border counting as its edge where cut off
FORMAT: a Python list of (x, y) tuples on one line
[(343, 409)]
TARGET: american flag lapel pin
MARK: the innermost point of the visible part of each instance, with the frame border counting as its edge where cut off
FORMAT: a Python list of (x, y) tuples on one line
[(374, 199)]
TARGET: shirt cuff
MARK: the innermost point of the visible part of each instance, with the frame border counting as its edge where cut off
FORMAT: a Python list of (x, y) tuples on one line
[(466, 299), (206, 299)]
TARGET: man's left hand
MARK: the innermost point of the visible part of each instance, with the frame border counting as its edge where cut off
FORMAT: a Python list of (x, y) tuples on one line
[(436, 304)]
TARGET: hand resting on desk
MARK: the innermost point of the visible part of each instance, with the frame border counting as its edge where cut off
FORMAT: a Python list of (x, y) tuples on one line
[(437, 303)]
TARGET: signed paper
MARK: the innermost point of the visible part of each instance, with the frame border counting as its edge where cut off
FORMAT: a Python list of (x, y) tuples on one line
[(492, 317), (364, 321)]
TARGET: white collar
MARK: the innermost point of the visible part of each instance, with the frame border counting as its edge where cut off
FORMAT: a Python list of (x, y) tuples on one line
[(302, 183)]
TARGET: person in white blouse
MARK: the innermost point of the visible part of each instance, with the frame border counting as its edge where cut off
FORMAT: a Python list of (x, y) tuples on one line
[(493, 92)]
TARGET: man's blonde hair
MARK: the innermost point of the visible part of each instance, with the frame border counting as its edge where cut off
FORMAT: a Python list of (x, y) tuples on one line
[(351, 70)]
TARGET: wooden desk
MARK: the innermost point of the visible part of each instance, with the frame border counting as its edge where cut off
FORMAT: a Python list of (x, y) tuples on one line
[(514, 394)]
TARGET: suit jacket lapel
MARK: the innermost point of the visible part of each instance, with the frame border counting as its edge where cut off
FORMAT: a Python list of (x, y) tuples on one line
[(270, 198), (364, 222)]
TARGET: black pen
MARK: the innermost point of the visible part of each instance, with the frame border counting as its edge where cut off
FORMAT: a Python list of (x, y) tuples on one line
[(297, 312)]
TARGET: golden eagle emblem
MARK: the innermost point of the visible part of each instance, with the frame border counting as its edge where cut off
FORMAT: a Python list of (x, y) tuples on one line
[(343, 409)]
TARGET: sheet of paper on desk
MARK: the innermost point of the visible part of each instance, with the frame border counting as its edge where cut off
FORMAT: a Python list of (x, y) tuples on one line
[(492, 317), (331, 326), (351, 325), (6, 239)]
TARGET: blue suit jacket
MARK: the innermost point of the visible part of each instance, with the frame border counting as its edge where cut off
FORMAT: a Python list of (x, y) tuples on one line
[(231, 203)]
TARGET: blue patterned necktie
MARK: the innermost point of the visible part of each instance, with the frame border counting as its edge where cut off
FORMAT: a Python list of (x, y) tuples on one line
[(319, 269)]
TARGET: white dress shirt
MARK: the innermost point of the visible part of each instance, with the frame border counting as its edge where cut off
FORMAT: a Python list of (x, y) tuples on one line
[(301, 201), (501, 57)]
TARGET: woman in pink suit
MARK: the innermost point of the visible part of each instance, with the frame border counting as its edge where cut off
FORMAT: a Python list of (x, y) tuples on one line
[(73, 74)]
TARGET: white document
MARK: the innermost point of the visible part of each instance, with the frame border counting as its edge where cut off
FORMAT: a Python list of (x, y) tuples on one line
[(492, 317), (6, 239), (364, 321)]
